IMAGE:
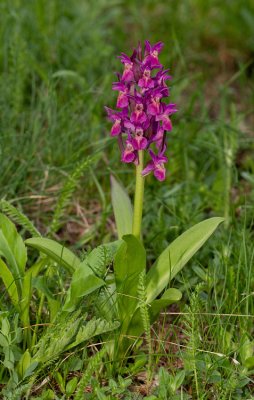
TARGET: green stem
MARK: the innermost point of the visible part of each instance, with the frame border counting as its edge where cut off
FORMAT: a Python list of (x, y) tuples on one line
[(139, 196), (38, 318)]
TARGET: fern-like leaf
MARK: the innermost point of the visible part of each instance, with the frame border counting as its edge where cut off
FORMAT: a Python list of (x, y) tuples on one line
[(193, 332), (19, 218), (93, 365), (145, 318), (67, 191), (94, 327)]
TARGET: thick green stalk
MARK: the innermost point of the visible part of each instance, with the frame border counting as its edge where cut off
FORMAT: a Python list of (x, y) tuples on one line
[(139, 196)]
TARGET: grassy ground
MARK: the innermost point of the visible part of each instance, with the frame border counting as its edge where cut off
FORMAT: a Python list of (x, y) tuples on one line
[(57, 62)]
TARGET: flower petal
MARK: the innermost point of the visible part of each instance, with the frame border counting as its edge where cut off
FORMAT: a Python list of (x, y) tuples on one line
[(149, 168)]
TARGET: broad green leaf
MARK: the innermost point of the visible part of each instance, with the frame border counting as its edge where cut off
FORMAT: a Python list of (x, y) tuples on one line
[(30, 370), (122, 207), (136, 327), (56, 252), (177, 254), (249, 362), (12, 248), (9, 283), (71, 386), (246, 349), (5, 327), (178, 380), (170, 296), (24, 364), (40, 283), (88, 276), (130, 261), (84, 282), (102, 256), (4, 342)]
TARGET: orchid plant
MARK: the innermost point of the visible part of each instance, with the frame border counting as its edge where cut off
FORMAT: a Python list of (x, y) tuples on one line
[(141, 124), (115, 274)]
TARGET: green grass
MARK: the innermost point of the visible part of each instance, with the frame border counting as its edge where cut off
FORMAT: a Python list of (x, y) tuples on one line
[(57, 63)]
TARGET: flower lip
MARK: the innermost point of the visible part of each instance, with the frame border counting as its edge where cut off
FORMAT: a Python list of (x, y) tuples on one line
[(147, 73), (139, 107), (139, 131)]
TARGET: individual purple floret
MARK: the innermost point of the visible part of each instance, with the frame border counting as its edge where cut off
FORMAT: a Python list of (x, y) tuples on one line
[(152, 52), (129, 155), (143, 118), (128, 68), (122, 100), (118, 118), (168, 110), (156, 165)]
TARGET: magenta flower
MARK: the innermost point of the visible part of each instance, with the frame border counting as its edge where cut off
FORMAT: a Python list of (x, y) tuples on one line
[(128, 68), (144, 118), (129, 154), (138, 140), (164, 116), (155, 107), (138, 115), (118, 118), (146, 82), (156, 165), (152, 52), (162, 76), (122, 100), (159, 137)]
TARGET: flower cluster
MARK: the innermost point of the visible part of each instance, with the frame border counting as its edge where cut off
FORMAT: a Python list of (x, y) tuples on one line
[(143, 118)]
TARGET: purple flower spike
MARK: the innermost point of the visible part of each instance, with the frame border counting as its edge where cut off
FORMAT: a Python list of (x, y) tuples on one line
[(144, 117)]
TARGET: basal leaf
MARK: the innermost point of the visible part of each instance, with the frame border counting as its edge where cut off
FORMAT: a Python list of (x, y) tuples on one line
[(177, 254), (84, 282), (12, 248), (136, 327), (88, 276), (102, 256), (170, 296), (56, 252), (9, 283), (122, 207), (130, 261)]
